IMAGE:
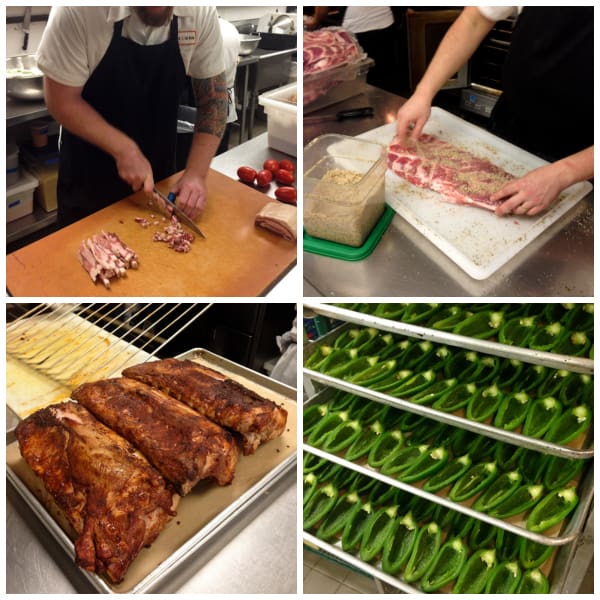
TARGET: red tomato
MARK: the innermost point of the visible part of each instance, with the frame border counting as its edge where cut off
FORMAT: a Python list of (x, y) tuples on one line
[(246, 174), (288, 165), (285, 177), (271, 165), (264, 178), (286, 194)]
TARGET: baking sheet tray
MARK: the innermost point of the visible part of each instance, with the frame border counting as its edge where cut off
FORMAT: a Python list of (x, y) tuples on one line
[(514, 525), (475, 239), (203, 513)]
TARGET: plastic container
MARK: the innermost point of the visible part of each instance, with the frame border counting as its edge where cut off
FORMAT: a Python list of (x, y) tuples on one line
[(343, 188), (39, 133), (282, 117), (12, 164), (335, 84), (19, 197)]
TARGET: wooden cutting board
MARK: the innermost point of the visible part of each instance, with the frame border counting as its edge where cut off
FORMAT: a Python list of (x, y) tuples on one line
[(236, 258)]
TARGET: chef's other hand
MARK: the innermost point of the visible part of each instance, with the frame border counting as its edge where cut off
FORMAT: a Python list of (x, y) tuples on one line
[(134, 168), (529, 195), (411, 118), (191, 194)]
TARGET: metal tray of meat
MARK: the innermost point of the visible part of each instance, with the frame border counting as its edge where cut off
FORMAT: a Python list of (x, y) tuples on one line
[(578, 448), (557, 569), (475, 239), (206, 511), (571, 531)]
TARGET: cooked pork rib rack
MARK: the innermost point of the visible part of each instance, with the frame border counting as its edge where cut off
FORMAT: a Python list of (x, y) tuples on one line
[(181, 443), (214, 395), (116, 502)]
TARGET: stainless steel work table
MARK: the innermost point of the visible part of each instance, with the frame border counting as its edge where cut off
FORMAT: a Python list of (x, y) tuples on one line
[(406, 264)]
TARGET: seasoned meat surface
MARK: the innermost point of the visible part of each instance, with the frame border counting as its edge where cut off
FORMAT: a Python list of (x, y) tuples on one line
[(182, 444), (114, 499), (216, 396)]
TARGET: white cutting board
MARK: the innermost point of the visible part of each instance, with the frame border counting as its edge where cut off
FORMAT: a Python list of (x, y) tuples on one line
[(474, 238)]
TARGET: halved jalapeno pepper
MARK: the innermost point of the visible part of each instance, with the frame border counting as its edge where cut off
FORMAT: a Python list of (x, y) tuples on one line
[(342, 436), (512, 411), (312, 417), (385, 445), (446, 565), (532, 465), (337, 517), (533, 554), (580, 317), (545, 338), (398, 545), (509, 373), (477, 478), (483, 403), (447, 318), (574, 344), (561, 471), (504, 579), (321, 431), (498, 491), (419, 312), (521, 500), (572, 423), (552, 384), (533, 582), (336, 360), (552, 509), (517, 331), (481, 325), (390, 311), (577, 388), (431, 393), (541, 416), (364, 442), (374, 374), (412, 385), (462, 365), (355, 526), (429, 464), (448, 474), (507, 545), (402, 459), (532, 378), (473, 578), (423, 553), (455, 397), (377, 529), (482, 535), (320, 503), (310, 482), (415, 354)]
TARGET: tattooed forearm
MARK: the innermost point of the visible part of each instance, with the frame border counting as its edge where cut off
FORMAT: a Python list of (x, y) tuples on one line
[(211, 104)]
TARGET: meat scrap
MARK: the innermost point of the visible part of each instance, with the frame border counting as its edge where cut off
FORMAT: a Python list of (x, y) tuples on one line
[(104, 256), (182, 444), (116, 502), (175, 236), (278, 218), (459, 176), (214, 395)]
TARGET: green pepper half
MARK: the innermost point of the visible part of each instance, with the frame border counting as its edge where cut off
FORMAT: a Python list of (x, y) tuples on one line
[(504, 579), (512, 411), (541, 416), (446, 565), (336, 518), (423, 553), (552, 509), (501, 489), (474, 576), (399, 544), (569, 425), (320, 503), (521, 500), (484, 403), (533, 582), (378, 527), (477, 478), (481, 325), (448, 474), (533, 554)]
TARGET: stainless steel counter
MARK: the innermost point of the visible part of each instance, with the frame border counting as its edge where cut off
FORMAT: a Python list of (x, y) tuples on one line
[(406, 264)]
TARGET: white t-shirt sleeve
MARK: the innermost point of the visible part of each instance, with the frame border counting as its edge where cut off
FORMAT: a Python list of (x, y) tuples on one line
[(63, 51), (207, 58), (497, 13)]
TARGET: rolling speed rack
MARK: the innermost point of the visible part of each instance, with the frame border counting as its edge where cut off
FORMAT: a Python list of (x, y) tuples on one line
[(564, 542)]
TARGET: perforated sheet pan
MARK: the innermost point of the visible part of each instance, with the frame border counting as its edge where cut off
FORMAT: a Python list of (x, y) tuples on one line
[(207, 511), (475, 239)]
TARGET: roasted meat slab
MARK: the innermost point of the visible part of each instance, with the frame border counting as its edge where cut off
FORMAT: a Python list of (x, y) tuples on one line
[(459, 176), (181, 443), (116, 502), (214, 395)]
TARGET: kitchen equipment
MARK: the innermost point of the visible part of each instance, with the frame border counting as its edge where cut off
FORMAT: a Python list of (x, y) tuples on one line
[(475, 239), (209, 510), (26, 26), (239, 259), (24, 81), (282, 116), (351, 113), (278, 23), (171, 206), (343, 188), (248, 43), (19, 197), (566, 542)]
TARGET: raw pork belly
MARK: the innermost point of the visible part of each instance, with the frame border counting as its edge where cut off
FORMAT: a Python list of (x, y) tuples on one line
[(182, 444), (116, 502), (461, 177), (326, 48), (214, 395)]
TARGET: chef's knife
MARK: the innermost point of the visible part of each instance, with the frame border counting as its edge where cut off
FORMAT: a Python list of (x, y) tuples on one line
[(352, 113), (170, 200), (26, 25)]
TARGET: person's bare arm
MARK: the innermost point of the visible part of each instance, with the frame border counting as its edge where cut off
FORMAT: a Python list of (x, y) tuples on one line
[(540, 188), (67, 106), (211, 119), (318, 16), (455, 49)]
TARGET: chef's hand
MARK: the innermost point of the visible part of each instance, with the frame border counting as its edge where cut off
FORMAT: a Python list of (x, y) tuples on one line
[(134, 168), (411, 118), (191, 194), (531, 194)]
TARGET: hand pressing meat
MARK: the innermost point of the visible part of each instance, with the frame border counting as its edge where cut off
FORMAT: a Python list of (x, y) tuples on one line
[(183, 445), (214, 395), (115, 501)]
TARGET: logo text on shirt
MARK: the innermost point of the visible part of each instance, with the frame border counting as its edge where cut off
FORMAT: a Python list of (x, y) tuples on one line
[(187, 37)]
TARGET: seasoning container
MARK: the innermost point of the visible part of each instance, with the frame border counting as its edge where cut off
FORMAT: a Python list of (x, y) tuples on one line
[(39, 133), (343, 188)]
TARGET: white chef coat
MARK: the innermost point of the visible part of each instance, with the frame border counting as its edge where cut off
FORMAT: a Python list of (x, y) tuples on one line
[(231, 49), (77, 37), (498, 13), (359, 19)]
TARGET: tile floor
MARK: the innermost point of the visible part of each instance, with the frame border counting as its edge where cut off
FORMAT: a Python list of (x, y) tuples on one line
[(326, 576)]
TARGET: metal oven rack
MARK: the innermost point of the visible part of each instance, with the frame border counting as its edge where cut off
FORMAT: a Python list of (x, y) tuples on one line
[(566, 542)]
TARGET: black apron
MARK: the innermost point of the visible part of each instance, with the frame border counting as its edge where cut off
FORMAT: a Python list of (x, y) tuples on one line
[(547, 106), (136, 89)]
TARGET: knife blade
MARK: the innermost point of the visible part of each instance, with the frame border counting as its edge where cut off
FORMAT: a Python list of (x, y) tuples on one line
[(26, 26), (352, 113), (170, 200)]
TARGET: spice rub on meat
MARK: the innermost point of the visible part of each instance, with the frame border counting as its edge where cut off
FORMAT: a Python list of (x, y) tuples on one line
[(214, 395), (116, 502), (459, 176), (182, 444)]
